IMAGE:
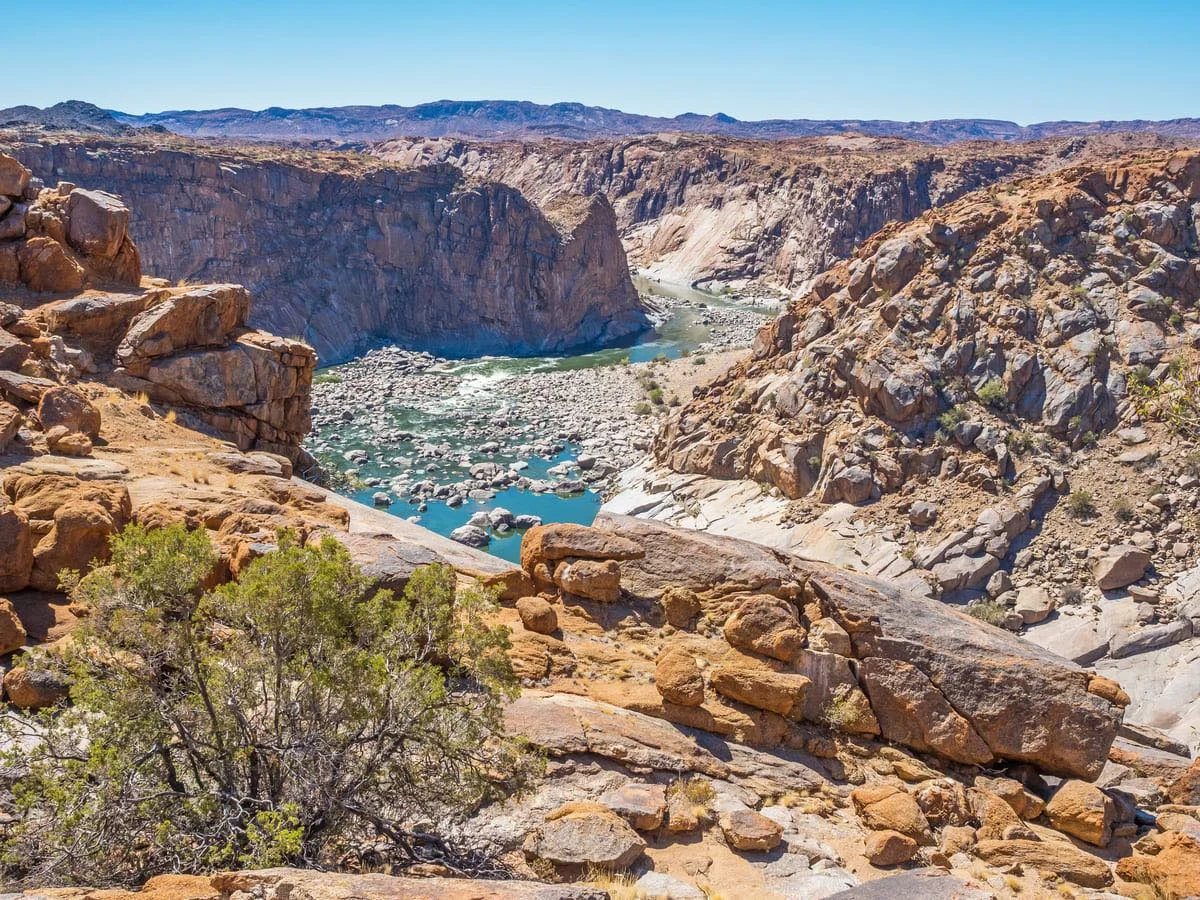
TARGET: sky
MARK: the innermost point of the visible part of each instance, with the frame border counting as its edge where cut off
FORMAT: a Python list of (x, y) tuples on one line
[(1019, 60)]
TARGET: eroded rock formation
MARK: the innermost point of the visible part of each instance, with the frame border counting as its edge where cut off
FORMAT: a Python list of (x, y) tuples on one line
[(1037, 300), (911, 669)]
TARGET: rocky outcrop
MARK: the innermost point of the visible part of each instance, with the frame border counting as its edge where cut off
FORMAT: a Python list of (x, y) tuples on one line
[(915, 672), (345, 252), (61, 239), (1037, 304), (189, 347)]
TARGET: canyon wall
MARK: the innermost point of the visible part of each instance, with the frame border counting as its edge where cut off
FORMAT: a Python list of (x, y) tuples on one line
[(697, 209), (345, 252)]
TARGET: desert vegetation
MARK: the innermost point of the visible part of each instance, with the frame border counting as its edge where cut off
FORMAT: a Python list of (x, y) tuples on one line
[(286, 718)]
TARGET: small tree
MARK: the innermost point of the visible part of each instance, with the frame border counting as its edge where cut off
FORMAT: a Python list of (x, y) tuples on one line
[(281, 719)]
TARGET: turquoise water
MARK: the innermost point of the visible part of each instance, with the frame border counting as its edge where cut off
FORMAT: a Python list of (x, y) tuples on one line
[(481, 391), (443, 519)]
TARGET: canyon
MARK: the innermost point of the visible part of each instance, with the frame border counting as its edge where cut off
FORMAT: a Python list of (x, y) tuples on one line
[(346, 254), (854, 703)]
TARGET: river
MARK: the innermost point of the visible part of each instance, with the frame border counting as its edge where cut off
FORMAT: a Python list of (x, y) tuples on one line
[(440, 441)]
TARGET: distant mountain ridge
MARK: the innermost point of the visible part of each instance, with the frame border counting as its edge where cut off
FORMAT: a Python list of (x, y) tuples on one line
[(70, 115), (523, 120)]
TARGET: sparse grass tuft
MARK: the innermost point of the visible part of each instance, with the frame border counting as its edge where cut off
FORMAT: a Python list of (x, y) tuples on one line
[(1123, 510), (989, 611), (618, 885), (1081, 505)]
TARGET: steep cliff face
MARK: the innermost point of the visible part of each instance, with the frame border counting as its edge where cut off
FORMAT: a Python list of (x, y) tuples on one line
[(698, 209), (345, 252)]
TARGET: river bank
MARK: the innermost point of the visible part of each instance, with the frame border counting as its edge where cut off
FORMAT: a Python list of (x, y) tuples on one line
[(480, 449)]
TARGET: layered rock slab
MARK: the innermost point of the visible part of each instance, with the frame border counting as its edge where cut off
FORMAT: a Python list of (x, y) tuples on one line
[(937, 679)]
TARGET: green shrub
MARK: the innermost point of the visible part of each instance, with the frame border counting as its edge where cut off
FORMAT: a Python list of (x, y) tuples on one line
[(1019, 442), (993, 394), (642, 408), (951, 417), (656, 396), (989, 611), (272, 721), (845, 709)]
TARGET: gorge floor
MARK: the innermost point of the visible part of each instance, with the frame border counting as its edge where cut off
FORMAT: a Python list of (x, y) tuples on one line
[(484, 447)]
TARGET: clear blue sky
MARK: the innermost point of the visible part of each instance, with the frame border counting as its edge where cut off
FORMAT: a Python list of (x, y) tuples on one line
[(1020, 60)]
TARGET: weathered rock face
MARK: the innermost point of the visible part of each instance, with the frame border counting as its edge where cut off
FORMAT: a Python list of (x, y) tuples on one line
[(189, 347), (70, 519), (61, 239), (345, 253), (695, 209), (192, 348), (1035, 302), (924, 675)]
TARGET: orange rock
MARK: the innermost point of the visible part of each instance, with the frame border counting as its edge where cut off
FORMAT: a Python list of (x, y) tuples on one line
[(1084, 811), (746, 829), (596, 580), (777, 692), (766, 625), (537, 615), (997, 820), (26, 688), (12, 632), (1108, 689), (46, 265), (1058, 857), (889, 848), (67, 407), (884, 807), (678, 678), (16, 548), (561, 540), (1173, 872)]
